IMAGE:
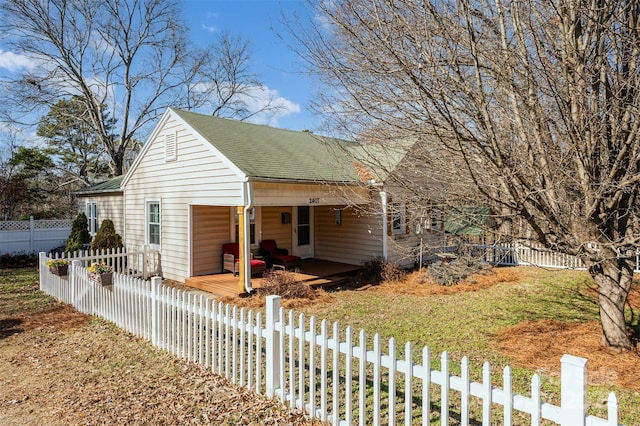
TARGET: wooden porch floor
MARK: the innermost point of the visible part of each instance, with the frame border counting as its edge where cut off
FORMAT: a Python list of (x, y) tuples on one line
[(314, 272)]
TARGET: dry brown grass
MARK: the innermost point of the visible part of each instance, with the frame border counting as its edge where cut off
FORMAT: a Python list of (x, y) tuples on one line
[(539, 345), (294, 294), (419, 283)]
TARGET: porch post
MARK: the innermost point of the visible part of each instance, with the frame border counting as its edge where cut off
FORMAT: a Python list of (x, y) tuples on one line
[(385, 224), (241, 244)]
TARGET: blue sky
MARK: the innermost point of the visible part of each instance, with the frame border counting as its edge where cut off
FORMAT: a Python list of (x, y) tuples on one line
[(257, 21)]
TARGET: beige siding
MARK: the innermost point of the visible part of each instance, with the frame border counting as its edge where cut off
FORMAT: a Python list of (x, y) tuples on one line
[(291, 194), (210, 230), (273, 228), (197, 177), (355, 240), (109, 206)]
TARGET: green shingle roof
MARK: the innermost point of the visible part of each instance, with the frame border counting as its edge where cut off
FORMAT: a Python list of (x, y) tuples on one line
[(471, 220), (111, 185), (263, 152)]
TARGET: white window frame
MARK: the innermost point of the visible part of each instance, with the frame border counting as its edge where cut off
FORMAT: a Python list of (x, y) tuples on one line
[(92, 217), (255, 217), (398, 219), (148, 223), (435, 220)]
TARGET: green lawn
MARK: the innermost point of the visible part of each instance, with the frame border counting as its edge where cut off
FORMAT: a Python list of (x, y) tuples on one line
[(462, 323), (19, 292), (466, 323)]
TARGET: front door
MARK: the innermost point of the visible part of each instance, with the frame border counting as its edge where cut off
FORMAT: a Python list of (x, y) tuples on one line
[(303, 231)]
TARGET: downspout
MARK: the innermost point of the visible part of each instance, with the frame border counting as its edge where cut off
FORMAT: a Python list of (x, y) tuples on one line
[(247, 236), (385, 225)]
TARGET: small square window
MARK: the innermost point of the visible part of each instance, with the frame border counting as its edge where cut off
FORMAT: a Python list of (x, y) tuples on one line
[(398, 219)]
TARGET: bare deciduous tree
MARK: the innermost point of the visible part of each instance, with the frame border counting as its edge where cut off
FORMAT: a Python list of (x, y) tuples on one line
[(225, 84), (536, 102), (125, 55), (125, 59)]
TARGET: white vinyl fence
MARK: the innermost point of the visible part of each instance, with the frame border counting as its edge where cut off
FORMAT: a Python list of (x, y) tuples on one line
[(33, 236), (531, 254), (334, 374)]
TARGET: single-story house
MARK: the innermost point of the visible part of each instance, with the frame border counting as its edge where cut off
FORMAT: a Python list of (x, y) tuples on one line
[(202, 181), (109, 196)]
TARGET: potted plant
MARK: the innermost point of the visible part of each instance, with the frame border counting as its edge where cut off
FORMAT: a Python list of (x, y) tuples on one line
[(101, 273), (58, 267)]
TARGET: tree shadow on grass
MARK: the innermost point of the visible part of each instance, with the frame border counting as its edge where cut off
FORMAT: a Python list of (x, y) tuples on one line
[(9, 327)]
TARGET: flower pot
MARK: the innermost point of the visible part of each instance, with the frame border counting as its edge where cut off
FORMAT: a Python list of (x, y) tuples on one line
[(102, 279), (59, 270)]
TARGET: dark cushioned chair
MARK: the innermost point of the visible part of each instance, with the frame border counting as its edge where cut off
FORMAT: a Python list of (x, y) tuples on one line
[(278, 256), (231, 260)]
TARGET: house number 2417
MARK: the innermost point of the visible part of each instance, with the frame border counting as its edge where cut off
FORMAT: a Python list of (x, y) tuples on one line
[(314, 200)]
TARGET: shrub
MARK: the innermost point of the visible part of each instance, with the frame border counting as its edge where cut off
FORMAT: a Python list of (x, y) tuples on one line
[(376, 271), (285, 285), (19, 260), (79, 234), (451, 273), (106, 237)]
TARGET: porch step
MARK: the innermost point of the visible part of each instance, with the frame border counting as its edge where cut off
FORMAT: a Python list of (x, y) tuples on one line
[(327, 282)]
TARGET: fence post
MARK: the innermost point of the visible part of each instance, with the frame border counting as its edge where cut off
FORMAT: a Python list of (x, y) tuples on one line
[(155, 284), (41, 267), (73, 280), (272, 348), (32, 227), (573, 390)]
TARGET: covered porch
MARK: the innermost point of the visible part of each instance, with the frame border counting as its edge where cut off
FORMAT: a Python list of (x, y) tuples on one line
[(317, 273)]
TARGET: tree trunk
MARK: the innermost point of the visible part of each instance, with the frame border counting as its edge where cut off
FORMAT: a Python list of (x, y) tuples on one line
[(613, 277)]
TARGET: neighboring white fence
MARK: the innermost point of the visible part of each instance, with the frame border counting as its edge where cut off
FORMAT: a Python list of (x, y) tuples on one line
[(33, 236), (333, 374), (531, 254)]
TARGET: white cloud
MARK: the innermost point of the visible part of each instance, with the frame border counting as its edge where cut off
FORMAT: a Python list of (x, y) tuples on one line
[(265, 105), (15, 62), (260, 97), (209, 28)]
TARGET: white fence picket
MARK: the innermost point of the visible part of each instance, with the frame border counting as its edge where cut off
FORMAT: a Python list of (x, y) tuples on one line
[(231, 342)]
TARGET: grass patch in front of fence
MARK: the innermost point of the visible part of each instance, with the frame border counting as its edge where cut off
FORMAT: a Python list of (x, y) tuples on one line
[(64, 367), (469, 322), (19, 292)]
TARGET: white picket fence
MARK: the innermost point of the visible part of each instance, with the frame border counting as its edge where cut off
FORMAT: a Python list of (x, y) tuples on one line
[(141, 262), (33, 236), (333, 374)]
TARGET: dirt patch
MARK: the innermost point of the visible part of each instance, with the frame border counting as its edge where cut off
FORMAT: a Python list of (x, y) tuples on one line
[(539, 345), (60, 318), (60, 368)]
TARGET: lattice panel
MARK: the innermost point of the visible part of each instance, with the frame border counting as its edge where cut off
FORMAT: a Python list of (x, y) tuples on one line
[(14, 225), (53, 224), (23, 225)]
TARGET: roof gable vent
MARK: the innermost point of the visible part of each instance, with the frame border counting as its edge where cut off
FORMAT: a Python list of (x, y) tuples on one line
[(170, 147)]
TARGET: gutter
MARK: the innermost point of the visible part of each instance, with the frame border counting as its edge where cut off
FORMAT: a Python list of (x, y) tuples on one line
[(303, 181), (248, 187)]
